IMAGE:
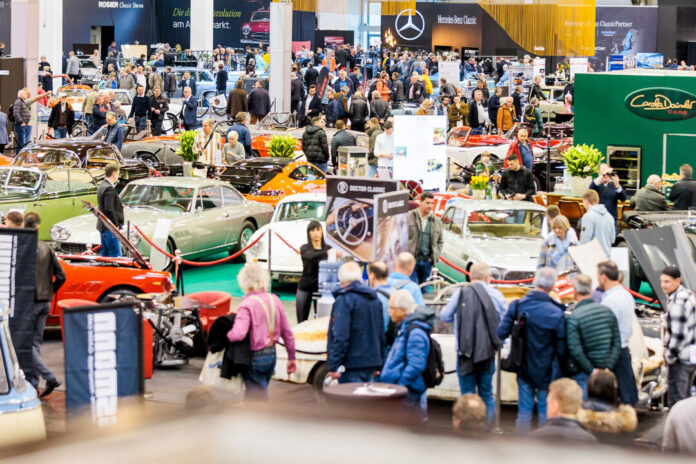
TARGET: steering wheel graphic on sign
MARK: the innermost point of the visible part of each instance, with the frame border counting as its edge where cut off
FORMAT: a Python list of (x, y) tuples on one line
[(352, 223), (409, 24)]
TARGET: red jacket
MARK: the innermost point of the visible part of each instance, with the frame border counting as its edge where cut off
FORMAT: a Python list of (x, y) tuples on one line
[(514, 148)]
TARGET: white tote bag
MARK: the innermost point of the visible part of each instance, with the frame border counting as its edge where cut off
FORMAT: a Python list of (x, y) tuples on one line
[(210, 374)]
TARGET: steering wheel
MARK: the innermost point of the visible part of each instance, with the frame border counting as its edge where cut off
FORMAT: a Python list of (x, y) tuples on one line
[(183, 208), (352, 224)]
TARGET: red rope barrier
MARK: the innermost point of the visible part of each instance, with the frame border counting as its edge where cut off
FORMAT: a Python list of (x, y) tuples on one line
[(286, 242), (641, 297), (194, 263), (466, 273)]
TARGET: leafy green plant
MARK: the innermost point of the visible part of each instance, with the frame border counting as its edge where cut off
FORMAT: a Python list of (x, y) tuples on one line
[(282, 146), (582, 160), (186, 145)]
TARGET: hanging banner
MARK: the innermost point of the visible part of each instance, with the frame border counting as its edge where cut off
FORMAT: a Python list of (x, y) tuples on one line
[(521, 76), (391, 226), (350, 214), (103, 360), (17, 283), (5, 24), (623, 31), (450, 71), (420, 152)]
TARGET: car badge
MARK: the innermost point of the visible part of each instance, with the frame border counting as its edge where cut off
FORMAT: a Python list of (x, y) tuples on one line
[(403, 26)]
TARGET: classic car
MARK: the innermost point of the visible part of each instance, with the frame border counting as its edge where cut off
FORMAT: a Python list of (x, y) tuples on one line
[(55, 194), (465, 148), (258, 27), (92, 155), (21, 416), (205, 81), (554, 103), (505, 234), (268, 180), (461, 175), (157, 152), (91, 74), (207, 217), (76, 95), (287, 230)]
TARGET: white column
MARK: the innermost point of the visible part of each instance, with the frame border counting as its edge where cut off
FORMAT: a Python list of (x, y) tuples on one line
[(51, 35), (280, 49), (25, 38), (202, 25)]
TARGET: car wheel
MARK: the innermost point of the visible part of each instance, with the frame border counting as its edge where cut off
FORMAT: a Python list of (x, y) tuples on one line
[(169, 264), (255, 154), (319, 377), (537, 184), (635, 277), (245, 234), (118, 294)]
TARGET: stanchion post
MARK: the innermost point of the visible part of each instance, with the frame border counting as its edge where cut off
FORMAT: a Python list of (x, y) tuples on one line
[(177, 271), (497, 430)]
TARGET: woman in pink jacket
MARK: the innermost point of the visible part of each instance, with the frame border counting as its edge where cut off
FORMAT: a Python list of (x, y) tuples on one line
[(262, 316)]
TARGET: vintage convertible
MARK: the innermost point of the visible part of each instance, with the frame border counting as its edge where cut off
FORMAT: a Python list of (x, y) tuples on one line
[(505, 234), (92, 155), (206, 217), (285, 234), (466, 149), (55, 194)]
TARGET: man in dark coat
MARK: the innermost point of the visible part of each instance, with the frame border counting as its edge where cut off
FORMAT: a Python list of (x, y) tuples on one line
[(296, 92), (609, 189), (341, 57), (315, 144), (517, 183), (221, 80), (259, 102), (169, 83), (517, 100), (310, 107), (110, 205), (342, 138), (189, 109), (188, 81), (159, 105), (356, 329), (379, 108), (359, 112), (415, 91), (564, 402), (62, 118), (494, 105), (650, 197), (237, 100), (683, 193), (310, 75)]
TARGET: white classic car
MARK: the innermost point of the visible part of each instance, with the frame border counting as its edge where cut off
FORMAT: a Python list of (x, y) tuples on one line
[(465, 149), (289, 224), (505, 234), (554, 103)]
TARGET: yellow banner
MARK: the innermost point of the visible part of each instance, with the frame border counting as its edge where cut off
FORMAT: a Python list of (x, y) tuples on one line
[(546, 27), (302, 5), (394, 7)]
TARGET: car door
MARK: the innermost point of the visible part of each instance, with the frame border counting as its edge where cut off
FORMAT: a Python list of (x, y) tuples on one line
[(307, 179), (54, 203), (82, 188), (210, 220), (235, 211), (453, 225)]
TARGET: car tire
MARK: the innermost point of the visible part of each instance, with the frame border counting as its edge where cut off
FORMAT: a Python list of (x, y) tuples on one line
[(319, 377), (537, 183), (171, 248), (117, 293), (245, 234)]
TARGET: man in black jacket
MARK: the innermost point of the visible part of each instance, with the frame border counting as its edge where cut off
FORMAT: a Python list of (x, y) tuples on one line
[(49, 278), (342, 138), (315, 144), (536, 89), (310, 75), (169, 83), (159, 105), (379, 108), (358, 112), (310, 107), (62, 118), (415, 91), (494, 105), (110, 205), (683, 194), (221, 80), (296, 91), (517, 101), (517, 183), (140, 109), (259, 103), (564, 401)]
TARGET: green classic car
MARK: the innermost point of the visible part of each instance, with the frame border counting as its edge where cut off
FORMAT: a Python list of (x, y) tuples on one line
[(54, 194)]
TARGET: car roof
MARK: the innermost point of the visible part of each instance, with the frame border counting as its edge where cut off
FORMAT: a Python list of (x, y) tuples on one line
[(171, 181), (71, 144), (264, 161), (472, 205), (303, 197)]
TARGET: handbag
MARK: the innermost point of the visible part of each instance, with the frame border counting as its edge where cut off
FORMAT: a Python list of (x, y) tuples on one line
[(210, 374), (513, 361)]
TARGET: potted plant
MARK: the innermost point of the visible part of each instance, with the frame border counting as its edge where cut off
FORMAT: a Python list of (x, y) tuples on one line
[(282, 146), (479, 184), (185, 150), (582, 162)]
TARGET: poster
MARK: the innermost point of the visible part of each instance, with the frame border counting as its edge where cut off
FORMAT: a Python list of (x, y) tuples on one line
[(650, 60), (350, 214), (103, 359), (623, 31), (420, 152), (332, 42), (5, 22), (450, 71), (522, 76), (539, 66), (297, 46), (391, 226), (578, 65), (237, 23)]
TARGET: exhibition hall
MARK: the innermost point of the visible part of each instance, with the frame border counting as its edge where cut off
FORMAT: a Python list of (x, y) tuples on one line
[(347, 230)]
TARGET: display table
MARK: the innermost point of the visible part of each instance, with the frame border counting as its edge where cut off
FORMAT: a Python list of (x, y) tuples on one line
[(382, 402)]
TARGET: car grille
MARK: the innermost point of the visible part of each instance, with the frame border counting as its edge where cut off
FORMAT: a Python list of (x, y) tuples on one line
[(259, 35), (73, 248), (518, 275)]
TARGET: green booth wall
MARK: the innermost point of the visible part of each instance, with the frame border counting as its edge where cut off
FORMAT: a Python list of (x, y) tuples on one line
[(602, 118)]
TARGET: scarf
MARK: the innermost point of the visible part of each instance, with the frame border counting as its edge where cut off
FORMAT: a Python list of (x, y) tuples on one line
[(560, 248)]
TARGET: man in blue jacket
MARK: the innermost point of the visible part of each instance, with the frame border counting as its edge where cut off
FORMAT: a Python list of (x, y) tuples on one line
[(609, 189), (221, 81), (356, 334), (544, 346), (189, 109), (408, 356), (401, 277)]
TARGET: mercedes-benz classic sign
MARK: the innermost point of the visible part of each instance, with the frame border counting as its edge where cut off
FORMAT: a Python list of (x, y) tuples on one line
[(662, 104), (409, 24)]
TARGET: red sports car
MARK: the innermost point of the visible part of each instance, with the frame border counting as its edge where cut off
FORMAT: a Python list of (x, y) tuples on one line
[(258, 27)]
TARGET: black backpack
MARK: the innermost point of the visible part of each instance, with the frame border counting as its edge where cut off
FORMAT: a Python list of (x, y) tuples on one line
[(513, 361), (10, 115), (529, 115), (434, 372)]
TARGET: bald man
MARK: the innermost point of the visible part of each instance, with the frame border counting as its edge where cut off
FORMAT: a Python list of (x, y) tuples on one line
[(650, 197)]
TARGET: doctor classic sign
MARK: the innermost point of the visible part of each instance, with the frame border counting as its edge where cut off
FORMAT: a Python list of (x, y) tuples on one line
[(662, 104)]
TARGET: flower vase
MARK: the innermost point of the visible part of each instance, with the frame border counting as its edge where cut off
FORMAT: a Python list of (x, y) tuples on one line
[(478, 194), (578, 185)]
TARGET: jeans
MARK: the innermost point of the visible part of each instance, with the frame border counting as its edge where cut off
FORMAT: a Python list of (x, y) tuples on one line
[(371, 171), (60, 132), (477, 130), (421, 273), (89, 120), (582, 379), (481, 380), (140, 123), (322, 166), (157, 127), (110, 245), (170, 94), (680, 377), (628, 394), (525, 405), (41, 310), (358, 375), (258, 375), (23, 135), (416, 406), (303, 305)]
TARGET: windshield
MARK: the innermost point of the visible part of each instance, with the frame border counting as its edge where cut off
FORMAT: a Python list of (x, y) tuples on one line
[(163, 197), (458, 136), (19, 179), (509, 223), (295, 210), (87, 64), (47, 156), (261, 16), (122, 97)]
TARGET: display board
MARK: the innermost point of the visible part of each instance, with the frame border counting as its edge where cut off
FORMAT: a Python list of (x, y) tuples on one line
[(103, 359), (391, 226), (578, 65), (539, 65), (450, 71), (350, 214), (420, 152), (522, 76), (623, 31), (238, 23), (650, 60), (5, 24)]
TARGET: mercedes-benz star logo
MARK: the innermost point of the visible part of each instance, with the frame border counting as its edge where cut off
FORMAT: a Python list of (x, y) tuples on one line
[(342, 187), (406, 27)]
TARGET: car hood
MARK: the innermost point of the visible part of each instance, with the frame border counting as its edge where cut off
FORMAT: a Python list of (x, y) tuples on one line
[(512, 254)]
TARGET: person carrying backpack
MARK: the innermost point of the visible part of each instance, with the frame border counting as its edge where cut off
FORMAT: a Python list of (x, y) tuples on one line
[(408, 362), (532, 116)]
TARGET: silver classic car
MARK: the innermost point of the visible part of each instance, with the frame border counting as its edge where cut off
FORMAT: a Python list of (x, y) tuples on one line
[(505, 234), (207, 217)]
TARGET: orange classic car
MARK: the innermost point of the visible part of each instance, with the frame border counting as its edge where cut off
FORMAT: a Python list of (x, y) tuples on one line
[(268, 180)]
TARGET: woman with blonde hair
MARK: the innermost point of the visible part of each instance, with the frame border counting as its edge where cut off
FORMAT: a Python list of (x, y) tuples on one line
[(424, 108), (554, 250), (262, 317)]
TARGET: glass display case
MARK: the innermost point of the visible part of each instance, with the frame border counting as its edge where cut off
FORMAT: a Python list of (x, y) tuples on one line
[(625, 161), (352, 161)]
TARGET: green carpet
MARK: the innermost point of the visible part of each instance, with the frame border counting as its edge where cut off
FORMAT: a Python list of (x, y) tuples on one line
[(223, 277)]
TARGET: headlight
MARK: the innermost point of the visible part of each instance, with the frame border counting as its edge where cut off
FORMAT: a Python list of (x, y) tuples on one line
[(498, 273), (59, 234), (259, 247), (134, 237)]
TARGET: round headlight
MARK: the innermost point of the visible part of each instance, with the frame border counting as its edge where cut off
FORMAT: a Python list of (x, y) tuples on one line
[(59, 234), (134, 237)]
